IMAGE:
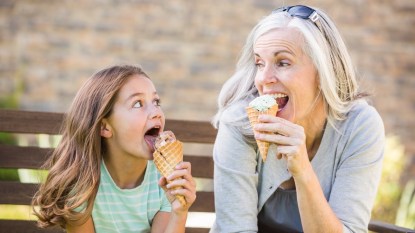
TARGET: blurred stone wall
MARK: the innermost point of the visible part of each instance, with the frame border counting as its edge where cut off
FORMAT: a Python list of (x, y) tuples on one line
[(189, 48)]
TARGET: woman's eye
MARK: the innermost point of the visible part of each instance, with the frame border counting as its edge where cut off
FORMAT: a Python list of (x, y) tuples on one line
[(138, 104), (283, 63), (157, 102), (258, 64)]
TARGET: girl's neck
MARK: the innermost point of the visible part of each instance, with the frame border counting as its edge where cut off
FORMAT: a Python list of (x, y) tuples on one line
[(126, 173)]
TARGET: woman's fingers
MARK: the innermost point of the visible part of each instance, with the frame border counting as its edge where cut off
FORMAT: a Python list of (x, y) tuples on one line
[(274, 124)]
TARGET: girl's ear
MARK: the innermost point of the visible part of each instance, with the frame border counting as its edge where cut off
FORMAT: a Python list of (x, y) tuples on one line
[(106, 130)]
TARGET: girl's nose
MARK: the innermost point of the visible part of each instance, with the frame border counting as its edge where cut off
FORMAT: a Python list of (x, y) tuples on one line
[(155, 112)]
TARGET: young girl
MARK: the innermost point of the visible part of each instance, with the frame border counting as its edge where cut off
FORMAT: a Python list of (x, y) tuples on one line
[(101, 175)]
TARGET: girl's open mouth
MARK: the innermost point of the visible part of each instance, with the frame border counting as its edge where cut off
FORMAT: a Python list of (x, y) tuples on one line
[(150, 137)]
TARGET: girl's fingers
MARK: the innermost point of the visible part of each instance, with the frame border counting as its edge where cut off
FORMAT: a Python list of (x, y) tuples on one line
[(181, 183), (184, 165), (189, 196), (183, 170), (181, 178)]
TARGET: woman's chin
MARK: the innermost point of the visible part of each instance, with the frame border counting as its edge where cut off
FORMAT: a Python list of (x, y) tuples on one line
[(286, 114)]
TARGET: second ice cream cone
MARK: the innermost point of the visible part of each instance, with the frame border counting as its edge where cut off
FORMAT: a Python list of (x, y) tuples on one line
[(253, 119)]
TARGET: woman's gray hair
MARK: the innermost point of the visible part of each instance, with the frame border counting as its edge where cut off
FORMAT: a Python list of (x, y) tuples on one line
[(323, 44)]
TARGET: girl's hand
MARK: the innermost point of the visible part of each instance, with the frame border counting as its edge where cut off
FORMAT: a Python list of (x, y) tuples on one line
[(181, 179), (289, 138)]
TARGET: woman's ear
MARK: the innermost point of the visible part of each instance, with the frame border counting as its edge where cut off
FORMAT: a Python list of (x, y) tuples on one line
[(106, 130)]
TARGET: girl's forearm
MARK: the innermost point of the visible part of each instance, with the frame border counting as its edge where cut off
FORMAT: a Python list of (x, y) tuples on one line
[(177, 223)]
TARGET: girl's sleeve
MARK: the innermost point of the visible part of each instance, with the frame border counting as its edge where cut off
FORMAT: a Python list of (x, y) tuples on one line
[(165, 204), (359, 171), (235, 182)]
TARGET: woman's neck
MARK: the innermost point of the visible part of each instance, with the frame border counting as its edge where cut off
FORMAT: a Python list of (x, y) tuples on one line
[(314, 129)]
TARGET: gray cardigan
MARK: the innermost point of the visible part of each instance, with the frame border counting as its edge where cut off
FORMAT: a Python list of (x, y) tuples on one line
[(348, 165)]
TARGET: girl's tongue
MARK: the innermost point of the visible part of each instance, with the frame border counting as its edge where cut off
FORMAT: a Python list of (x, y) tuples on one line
[(150, 140)]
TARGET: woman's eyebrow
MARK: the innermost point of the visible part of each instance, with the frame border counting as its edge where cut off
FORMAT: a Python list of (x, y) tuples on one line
[(277, 53)]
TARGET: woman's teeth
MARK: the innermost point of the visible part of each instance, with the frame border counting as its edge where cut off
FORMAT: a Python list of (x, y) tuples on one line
[(282, 100), (279, 95)]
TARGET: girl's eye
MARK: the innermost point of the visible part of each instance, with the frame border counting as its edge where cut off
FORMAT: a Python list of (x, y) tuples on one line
[(157, 102), (138, 104)]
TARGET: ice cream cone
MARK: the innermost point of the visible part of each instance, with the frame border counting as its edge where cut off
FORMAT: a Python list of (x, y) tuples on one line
[(253, 119), (166, 158)]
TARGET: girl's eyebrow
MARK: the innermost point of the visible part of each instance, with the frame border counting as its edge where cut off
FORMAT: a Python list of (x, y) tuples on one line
[(137, 94)]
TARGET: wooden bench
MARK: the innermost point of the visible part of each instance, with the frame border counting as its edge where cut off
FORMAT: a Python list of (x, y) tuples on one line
[(32, 157)]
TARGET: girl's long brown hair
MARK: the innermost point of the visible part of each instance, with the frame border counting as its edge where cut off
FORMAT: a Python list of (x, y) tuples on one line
[(68, 194)]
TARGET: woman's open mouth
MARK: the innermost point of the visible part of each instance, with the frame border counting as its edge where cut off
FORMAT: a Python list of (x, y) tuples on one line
[(282, 100)]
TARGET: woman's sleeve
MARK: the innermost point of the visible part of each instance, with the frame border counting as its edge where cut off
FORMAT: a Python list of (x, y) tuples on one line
[(359, 171), (235, 182)]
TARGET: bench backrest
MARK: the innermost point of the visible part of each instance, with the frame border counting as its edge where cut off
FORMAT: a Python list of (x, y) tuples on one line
[(32, 157), (194, 133)]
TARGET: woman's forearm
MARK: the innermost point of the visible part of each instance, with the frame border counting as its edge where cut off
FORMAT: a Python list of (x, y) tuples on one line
[(316, 214)]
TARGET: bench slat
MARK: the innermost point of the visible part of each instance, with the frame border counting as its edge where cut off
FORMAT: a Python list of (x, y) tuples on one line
[(383, 227), (22, 226), (23, 157), (192, 131), (17, 193), (21, 194), (34, 157), (30, 227), (15, 121)]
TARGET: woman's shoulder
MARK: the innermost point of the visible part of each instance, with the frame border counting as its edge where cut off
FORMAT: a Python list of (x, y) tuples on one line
[(235, 111), (361, 117), (362, 111)]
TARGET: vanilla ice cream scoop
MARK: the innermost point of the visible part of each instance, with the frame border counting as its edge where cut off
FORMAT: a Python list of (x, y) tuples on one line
[(263, 102)]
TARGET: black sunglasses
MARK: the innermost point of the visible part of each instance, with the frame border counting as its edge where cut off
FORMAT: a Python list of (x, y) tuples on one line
[(299, 11)]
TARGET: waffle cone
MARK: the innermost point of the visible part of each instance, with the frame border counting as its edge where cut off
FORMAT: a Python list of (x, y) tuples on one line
[(253, 119), (166, 158)]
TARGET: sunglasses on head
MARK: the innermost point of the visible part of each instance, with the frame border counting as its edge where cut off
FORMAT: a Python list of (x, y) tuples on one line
[(300, 11)]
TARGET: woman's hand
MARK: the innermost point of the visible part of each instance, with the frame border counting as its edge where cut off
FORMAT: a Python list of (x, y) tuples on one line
[(182, 183), (290, 140)]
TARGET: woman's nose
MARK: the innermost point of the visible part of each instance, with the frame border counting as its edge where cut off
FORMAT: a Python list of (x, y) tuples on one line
[(268, 75)]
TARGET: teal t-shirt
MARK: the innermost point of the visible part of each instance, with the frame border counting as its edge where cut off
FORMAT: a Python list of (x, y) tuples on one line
[(128, 210)]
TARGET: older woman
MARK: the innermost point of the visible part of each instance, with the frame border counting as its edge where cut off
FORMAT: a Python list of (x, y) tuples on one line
[(324, 164)]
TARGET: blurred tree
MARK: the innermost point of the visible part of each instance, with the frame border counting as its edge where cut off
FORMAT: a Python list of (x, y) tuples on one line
[(406, 212), (389, 192), (10, 102)]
